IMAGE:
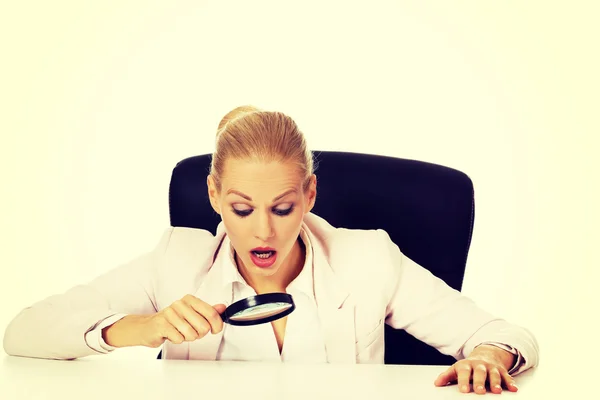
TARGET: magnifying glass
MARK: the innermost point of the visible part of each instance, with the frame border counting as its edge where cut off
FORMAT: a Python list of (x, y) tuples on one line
[(259, 309)]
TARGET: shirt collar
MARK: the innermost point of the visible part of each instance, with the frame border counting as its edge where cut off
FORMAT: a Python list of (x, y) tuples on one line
[(230, 274)]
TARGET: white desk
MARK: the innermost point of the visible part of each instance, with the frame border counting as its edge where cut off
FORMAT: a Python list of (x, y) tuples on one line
[(97, 378)]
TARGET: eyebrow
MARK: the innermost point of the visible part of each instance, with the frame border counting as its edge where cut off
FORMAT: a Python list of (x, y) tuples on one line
[(245, 196)]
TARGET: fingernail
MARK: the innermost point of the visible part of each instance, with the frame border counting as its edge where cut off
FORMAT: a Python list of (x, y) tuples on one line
[(498, 387), (465, 388)]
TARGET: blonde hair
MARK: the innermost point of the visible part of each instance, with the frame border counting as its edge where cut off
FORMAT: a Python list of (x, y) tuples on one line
[(249, 133)]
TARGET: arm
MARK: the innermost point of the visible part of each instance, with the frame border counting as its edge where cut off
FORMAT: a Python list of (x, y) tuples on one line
[(67, 326), (433, 312)]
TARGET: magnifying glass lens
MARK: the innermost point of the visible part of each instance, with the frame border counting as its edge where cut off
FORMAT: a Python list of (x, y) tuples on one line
[(260, 311)]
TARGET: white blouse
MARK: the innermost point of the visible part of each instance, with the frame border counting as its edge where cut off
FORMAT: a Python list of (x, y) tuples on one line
[(303, 340)]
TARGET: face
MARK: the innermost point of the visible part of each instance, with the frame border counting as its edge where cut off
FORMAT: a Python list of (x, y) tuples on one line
[(262, 206)]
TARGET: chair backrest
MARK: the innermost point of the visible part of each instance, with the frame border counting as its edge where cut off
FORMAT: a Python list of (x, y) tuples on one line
[(427, 209)]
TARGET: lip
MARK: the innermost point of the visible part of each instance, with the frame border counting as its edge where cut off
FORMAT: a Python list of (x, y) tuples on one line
[(261, 262), (263, 249)]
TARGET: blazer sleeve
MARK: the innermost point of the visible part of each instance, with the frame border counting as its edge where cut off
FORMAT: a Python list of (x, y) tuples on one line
[(56, 327), (427, 308)]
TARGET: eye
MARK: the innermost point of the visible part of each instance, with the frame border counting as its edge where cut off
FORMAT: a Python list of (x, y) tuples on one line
[(283, 212), (242, 213)]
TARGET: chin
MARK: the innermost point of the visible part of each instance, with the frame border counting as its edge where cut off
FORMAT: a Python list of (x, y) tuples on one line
[(268, 271), (262, 271)]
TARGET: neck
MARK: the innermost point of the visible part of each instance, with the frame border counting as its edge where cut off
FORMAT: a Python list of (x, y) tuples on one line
[(289, 270)]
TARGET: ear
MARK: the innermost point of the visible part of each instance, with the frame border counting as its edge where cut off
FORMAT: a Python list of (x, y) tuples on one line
[(311, 193), (213, 194)]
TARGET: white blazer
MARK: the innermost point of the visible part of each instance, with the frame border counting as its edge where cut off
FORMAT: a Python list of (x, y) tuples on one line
[(361, 280)]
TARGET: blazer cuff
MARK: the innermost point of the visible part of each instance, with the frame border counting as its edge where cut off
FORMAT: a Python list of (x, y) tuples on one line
[(518, 356), (501, 332), (93, 337)]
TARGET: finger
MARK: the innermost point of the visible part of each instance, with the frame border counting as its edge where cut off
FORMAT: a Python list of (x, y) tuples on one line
[(177, 321), (479, 377), (509, 381), (446, 377), (220, 308), (172, 334), (195, 320), (463, 377), (208, 312), (495, 380)]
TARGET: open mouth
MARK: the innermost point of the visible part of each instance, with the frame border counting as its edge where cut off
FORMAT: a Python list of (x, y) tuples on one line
[(263, 257), (263, 254)]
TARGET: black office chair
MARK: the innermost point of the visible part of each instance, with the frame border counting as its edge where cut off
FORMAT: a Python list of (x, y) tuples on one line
[(427, 209)]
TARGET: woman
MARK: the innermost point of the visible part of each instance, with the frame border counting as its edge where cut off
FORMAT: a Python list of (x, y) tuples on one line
[(346, 283)]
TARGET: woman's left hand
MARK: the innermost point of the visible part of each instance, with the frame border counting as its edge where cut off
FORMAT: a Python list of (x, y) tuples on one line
[(484, 364)]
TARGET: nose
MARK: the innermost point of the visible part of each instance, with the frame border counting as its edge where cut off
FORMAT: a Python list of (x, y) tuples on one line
[(263, 229)]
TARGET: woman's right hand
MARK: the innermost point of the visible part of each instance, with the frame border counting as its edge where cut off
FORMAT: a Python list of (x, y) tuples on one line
[(187, 319)]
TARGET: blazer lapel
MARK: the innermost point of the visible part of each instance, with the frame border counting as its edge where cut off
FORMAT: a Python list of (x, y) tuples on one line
[(336, 311)]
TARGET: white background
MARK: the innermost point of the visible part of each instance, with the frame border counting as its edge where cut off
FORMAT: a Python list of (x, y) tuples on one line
[(99, 100)]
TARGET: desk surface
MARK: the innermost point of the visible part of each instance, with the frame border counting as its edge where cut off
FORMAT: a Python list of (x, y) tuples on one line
[(97, 378)]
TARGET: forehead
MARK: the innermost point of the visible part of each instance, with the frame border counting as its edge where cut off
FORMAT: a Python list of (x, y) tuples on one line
[(255, 177)]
